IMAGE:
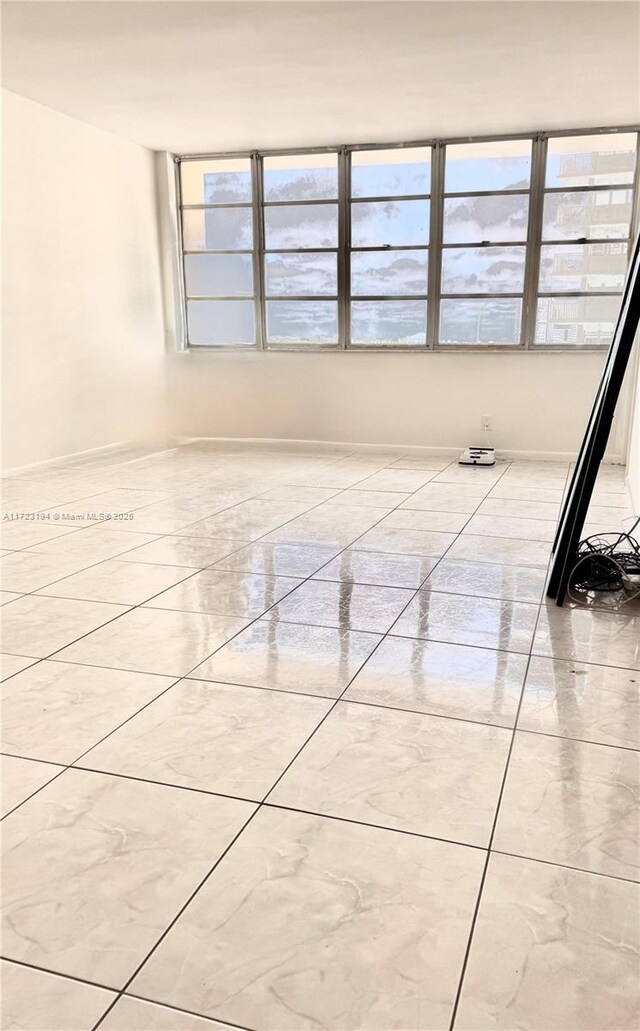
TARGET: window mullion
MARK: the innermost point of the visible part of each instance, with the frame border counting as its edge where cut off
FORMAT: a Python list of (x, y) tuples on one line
[(435, 244), (258, 250), (634, 225), (534, 240), (344, 239), (182, 325)]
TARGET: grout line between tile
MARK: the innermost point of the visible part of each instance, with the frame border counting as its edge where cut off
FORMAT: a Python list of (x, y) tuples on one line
[(476, 910)]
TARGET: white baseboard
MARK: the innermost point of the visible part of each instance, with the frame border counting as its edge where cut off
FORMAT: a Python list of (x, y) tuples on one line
[(634, 503), (79, 456), (292, 444), (46, 463), (541, 456)]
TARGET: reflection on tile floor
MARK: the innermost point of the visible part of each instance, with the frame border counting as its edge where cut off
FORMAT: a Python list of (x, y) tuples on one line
[(261, 738)]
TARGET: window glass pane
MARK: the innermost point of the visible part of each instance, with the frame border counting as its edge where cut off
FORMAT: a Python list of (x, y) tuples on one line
[(396, 223), (583, 267), (302, 322), (591, 160), (301, 274), (480, 321), (492, 219), (301, 225), (220, 322), (389, 272), (387, 173), (388, 322), (218, 229), (576, 320), (499, 165), (591, 214), (301, 177), (483, 270), (218, 275), (215, 181)]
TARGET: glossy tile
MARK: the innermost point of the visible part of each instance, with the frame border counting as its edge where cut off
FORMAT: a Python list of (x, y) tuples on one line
[(326, 527), (338, 476), (173, 515), (537, 495), (480, 477), (124, 583), (406, 542), (12, 664), (226, 593), (369, 498), (402, 770), (115, 859), (214, 737), (609, 498), (27, 533), (513, 508), (278, 559), (25, 571), (442, 679), (484, 580), (247, 521), (370, 567), (446, 497), (298, 492), (433, 462), (38, 626), (500, 551), (122, 499), (449, 522), (56, 711), (290, 909), (33, 1000), (554, 949), (609, 514), (604, 638), (290, 657), (96, 543), (136, 1015), (485, 622), (195, 552), (155, 641), (20, 778), (401, 480), (503, 526), (575, 699), (318, 921), (572, 803), (347, 606)]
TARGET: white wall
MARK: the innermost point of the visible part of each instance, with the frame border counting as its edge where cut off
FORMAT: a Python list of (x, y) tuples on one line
[(83, 350), (538, 402)]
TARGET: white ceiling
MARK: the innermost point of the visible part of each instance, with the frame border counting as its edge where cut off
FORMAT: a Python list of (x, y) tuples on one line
[(207, 76)]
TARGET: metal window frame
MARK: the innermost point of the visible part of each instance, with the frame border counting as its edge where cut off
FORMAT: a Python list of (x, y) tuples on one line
[(434, 247), (352, 298)]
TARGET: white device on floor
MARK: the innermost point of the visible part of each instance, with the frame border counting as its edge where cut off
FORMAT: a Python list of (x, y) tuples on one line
[(478, 456)]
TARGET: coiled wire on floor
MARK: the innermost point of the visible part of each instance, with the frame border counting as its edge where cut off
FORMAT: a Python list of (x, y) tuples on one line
[(607, 562)]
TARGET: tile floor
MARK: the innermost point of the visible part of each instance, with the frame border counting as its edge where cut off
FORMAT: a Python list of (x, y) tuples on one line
[(292, 742)]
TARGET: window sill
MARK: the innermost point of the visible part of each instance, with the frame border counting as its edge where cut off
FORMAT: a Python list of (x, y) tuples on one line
[(395, 349)]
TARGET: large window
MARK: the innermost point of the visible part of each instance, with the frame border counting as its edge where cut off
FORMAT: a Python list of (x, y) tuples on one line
[(586, 230), (300, 210), (502, 244), (484, 242), (390, 191), (218, 242)]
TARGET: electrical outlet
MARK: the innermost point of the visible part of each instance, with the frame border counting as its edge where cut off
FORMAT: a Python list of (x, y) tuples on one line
[(485, 423)]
